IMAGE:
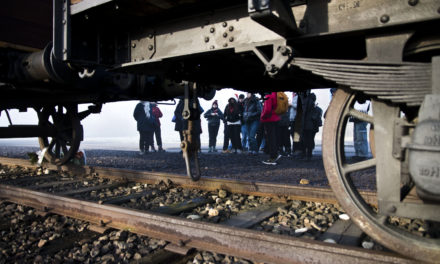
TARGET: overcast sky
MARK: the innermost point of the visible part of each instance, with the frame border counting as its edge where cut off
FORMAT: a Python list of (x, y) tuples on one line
[(116, 120)]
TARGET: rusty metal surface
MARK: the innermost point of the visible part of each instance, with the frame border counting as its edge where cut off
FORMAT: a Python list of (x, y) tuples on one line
[(249, 244), (209, 184)]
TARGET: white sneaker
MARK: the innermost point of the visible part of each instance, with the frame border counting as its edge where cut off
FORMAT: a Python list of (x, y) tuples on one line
[(279, 157), (270, 162)]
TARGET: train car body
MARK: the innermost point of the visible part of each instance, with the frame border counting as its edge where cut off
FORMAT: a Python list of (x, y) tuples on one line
[(97, 51)]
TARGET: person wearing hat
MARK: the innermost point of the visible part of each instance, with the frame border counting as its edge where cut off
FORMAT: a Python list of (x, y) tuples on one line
[(213, 115), (232, 115)]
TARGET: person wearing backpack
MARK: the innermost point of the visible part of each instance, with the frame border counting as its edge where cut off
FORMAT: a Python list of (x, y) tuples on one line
[(311, 122), (270, 120), (145, 125)]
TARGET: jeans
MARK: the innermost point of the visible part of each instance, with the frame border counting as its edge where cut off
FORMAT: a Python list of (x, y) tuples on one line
[(244, 135), (360, 139), (252, 128)]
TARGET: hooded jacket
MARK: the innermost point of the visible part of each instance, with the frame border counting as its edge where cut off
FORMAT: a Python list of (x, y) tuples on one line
[(214, 120), (270, 104), (232, 111), (144, 121)]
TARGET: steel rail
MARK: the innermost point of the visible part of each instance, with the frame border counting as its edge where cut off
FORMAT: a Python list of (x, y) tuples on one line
[(303, 193), (249, 244)]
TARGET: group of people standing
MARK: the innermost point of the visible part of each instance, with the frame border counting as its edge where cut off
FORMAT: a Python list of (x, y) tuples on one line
[(266, 124), (147, 116)]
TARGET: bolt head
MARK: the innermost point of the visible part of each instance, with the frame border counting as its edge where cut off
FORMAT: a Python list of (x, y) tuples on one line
[(392, 209), (212, 30), (206, 39), (384, 18), (231, 28), (224, 24), (133, 45), (231, 39), (225, 45), (413, 2), (150, 47), (225, 35)]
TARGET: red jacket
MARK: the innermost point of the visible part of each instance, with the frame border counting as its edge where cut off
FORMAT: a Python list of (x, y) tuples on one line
[(268, 113), (157, 113)]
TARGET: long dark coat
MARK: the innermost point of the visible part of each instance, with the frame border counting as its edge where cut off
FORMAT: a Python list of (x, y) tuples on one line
[(143, 123)]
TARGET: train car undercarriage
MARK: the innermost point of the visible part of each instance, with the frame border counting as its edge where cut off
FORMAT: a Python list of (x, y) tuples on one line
[(384, 51)]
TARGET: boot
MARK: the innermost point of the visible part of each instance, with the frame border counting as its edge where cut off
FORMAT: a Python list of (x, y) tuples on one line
[(214, 149), (210, 149), (161, 149)]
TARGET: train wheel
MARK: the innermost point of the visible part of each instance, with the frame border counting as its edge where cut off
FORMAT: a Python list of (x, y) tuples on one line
[(341, 173), (65, 120)]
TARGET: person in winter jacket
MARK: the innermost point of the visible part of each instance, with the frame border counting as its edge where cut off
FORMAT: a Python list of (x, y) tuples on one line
[(310, 127), (270, 120), (232, 116), (178, 119), (144, 118), (292, 117), (284, 145), (244, 130), (181, 124), (157, 131), (213, 115), (251, 121)]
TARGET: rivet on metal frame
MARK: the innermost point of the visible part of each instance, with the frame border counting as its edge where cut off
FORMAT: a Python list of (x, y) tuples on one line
[(384, 18)]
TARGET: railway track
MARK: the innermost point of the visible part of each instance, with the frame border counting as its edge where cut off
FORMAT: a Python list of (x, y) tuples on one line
[(123, 210)]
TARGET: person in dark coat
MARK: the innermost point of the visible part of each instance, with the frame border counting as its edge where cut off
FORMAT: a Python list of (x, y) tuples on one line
[(232, 115), (284, 145), (270, 120), (144, 118), (251, 121), (181, 124), (310, 127), (213, 115), (244, 129), (178, 118), (157, 130)]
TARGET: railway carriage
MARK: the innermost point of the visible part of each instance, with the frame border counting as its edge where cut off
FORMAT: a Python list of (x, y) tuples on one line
[(56, 55)]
